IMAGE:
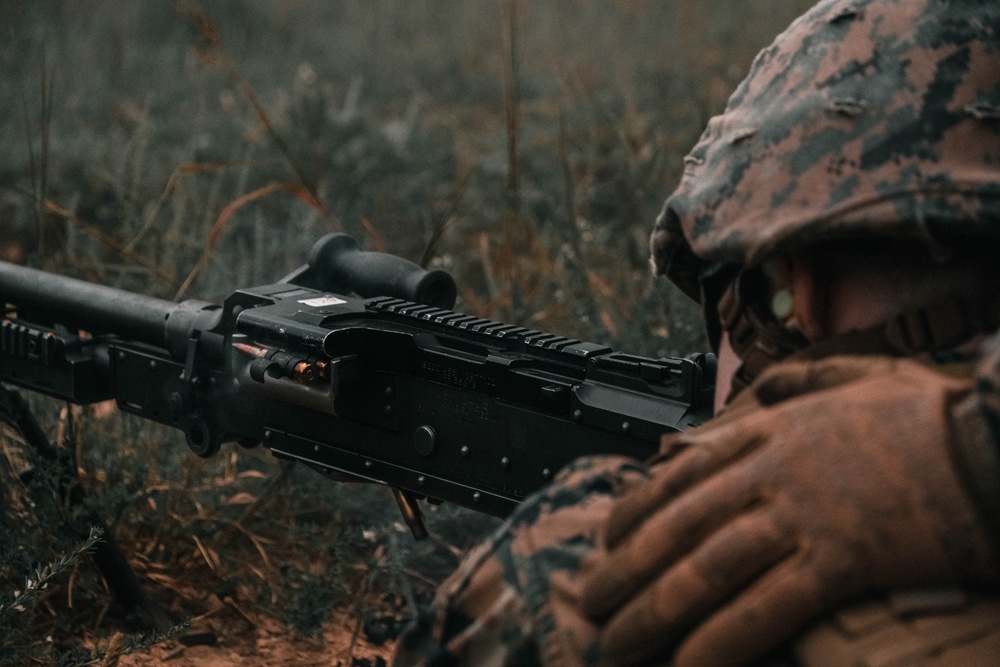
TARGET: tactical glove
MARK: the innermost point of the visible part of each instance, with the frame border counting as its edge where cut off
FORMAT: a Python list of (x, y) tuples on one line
[(824, 481)]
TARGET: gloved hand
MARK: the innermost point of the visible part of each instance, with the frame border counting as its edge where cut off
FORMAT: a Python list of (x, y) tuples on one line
[(825, 481)]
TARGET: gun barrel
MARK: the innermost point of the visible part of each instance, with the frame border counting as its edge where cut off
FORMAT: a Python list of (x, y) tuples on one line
[(84, 305)]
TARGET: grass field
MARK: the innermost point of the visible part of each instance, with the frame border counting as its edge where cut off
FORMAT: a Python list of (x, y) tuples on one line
[(185, 149)]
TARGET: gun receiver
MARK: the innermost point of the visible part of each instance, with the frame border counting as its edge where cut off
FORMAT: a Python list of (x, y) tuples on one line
[(394, 388)]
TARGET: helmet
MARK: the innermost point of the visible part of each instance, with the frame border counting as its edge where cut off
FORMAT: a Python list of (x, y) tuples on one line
[(864, 118)]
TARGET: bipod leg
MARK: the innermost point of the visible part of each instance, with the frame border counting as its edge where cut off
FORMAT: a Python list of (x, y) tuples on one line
[(107, 554)]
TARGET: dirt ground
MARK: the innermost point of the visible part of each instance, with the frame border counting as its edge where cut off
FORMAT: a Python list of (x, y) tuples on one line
[(359, 631), (343, 643)]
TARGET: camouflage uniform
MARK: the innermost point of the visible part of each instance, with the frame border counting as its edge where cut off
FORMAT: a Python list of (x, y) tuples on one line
[(512, 601), (866, 118)]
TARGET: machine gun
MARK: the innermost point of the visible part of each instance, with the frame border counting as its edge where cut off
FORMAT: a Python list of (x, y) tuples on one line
[(355, 366)]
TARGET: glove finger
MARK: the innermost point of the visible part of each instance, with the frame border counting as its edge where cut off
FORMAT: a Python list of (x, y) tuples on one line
[(758, 620), (675, 529), (652, 623), (706, 452)]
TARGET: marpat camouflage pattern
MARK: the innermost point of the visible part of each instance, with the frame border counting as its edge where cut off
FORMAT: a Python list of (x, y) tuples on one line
[(863, 118), (512, 602)]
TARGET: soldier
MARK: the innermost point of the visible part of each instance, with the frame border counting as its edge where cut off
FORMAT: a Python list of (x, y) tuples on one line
[(840, 224)]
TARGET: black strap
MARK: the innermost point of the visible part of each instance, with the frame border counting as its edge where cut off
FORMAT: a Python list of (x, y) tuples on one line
[(759, 339)]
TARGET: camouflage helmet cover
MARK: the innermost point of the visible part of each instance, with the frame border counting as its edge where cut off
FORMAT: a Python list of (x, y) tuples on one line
[(864, 118)]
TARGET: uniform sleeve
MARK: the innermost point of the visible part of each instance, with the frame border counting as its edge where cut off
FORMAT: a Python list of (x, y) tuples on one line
[(513, 600)]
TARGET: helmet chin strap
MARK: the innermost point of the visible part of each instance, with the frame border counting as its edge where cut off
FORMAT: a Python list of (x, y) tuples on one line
[(757, 337), (760, 339)]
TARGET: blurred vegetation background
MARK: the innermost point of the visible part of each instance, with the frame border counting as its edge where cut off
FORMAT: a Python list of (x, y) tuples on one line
[(185, 149)]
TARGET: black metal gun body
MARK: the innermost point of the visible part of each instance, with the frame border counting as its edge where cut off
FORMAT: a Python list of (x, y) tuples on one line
[(438, 404)]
